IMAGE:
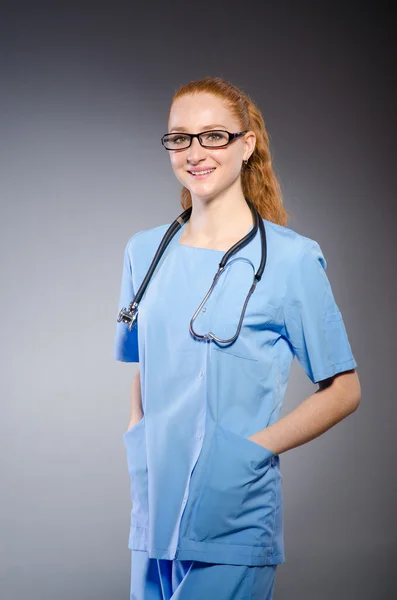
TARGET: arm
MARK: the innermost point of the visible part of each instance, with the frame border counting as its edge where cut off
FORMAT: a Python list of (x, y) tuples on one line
[(314, 328), (136, 413), (336, 398)]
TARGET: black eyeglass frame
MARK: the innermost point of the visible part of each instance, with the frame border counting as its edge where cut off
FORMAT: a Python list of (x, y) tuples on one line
[(232, 136)]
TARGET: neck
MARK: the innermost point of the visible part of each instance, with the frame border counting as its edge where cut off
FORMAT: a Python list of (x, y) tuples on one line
[(220, 221)]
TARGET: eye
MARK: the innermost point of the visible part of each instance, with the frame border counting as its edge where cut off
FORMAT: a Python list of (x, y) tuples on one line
[(213, 136), (177, 139), (217, 137)]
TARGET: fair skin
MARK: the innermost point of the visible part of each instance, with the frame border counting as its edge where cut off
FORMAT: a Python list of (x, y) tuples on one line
[(136, 411), (220, 217)]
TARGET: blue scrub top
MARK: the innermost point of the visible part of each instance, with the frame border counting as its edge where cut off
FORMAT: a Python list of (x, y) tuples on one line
[(200, 489)]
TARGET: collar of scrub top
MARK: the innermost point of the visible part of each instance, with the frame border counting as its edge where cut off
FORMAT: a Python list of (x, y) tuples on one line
[(130, 315)]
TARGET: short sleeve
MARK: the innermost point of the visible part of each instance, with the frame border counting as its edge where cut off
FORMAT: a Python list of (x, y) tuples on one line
[(313, 322), (126, 342)]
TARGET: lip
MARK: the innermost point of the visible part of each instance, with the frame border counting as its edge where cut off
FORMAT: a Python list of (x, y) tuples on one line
[(201, 169)]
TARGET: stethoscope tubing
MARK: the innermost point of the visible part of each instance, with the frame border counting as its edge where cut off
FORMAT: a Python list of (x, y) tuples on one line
[(130, 315), (257, 223)]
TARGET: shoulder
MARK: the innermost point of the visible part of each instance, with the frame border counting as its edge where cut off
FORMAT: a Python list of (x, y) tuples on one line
[(146, 240), (291, 247)]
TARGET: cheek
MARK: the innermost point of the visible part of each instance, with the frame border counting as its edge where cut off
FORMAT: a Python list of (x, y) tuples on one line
[(227, 159), (177, 161), (178, 168)]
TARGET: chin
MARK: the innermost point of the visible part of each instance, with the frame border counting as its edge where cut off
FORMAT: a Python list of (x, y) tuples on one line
[(201, 191), (206, 197)]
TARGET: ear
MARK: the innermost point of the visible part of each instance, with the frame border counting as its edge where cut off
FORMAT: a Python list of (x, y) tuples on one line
[(249, 144)]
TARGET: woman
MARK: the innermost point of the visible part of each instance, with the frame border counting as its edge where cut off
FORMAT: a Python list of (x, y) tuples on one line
[(205, 438)]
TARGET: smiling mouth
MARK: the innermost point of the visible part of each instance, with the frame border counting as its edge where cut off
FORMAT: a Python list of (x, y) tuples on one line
[(201, 173)]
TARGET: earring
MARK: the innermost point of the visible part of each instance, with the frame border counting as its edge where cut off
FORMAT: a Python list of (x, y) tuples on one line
[(246, 162)]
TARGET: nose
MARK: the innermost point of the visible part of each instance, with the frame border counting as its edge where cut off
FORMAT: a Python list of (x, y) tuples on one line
[(196, 152)]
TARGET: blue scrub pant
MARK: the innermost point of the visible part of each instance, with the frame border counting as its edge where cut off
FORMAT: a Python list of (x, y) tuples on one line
[(160, 579)]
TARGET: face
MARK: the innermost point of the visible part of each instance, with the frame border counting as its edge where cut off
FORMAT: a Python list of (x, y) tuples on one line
[(201, 112)]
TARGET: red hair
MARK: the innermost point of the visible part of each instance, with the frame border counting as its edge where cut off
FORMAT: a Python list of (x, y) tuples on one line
[(259, 182)]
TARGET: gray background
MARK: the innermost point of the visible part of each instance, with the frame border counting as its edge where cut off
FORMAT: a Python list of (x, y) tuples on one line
[(85, 91)]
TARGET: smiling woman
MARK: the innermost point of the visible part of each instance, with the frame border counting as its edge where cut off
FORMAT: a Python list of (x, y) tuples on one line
[(213, 156), (204, 449)]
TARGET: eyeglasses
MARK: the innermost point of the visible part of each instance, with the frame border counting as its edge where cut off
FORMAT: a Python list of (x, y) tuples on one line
[(208, 139)]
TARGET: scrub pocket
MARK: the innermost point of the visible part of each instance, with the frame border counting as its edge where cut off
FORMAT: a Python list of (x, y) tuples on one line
[(135, 443), (237, 504)]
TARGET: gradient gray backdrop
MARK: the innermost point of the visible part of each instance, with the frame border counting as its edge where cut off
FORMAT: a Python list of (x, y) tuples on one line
[(85, 91)]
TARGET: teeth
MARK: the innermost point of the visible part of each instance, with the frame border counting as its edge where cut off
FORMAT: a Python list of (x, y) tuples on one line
[(201, 172)]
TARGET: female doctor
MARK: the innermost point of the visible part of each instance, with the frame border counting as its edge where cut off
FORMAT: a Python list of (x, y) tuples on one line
[(205, 438)]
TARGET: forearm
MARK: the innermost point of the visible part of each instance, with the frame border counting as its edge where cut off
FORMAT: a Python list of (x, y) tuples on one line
[(314, 416), (136, 411)]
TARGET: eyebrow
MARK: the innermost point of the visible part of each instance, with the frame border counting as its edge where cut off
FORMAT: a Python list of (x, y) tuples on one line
[(204, 128)]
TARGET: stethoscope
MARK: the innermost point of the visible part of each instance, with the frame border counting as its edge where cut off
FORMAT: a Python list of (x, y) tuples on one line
[(130, 316)]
